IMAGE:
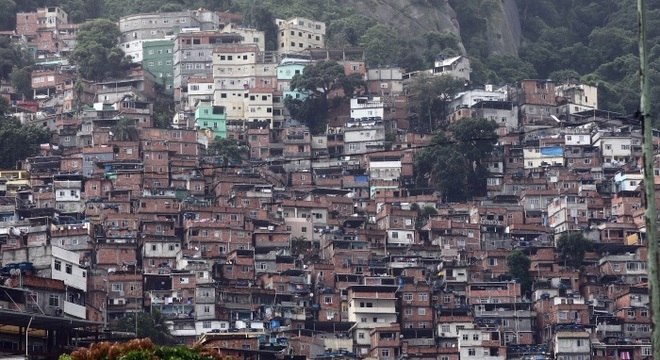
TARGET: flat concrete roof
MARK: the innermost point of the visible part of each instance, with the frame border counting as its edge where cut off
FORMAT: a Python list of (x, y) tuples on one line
[(45, 322)]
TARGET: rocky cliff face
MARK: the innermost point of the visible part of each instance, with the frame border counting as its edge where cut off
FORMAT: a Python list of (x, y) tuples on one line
[(414, 18), (504, 33)]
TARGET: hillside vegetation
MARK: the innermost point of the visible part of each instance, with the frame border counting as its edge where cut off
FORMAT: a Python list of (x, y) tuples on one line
[(507, 40)]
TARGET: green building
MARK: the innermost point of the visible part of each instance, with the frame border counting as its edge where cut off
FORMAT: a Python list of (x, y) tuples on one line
[(208, 116), (158, 58)]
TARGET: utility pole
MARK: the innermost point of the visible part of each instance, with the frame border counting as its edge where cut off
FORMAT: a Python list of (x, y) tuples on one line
[(649, 183)]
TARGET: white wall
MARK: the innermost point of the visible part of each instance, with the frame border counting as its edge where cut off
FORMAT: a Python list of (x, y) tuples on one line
[(69, 269)]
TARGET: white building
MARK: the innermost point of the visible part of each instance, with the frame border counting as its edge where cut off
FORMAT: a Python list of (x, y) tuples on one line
[(360, 139), (536, 157), (576, 98), (370, 307), (577, 139), (616, 147), (458, 67), (627, 182), (480, 344), (366, 109), (389, 170), (572, 345), (469, 98), (66, 267), (566, 213)]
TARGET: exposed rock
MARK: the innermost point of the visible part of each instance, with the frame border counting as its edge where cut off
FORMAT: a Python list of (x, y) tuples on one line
[(414, 18)]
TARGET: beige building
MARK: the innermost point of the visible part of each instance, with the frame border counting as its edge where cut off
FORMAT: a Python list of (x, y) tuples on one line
[(297, 34), (244, 81)]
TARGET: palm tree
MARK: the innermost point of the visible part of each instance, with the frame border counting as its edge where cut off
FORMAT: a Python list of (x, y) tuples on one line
[(125, 130)]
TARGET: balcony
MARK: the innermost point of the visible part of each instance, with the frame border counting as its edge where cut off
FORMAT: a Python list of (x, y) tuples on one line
[(184, 332), (296, 139), (75, 310), (375, 310), (205, 299)]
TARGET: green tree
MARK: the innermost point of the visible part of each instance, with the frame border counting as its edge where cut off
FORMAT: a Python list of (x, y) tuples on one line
[(226, 150), (380, 44), (11, 57), (319, 81), (428, 97), (262, 18), (440, 43), (571, 248), (18, 142), (149, 325), (125, 130), (455, 166), (311, 111), (22, 81), (423, 214), (510, 69), (518, 264), (7, 15), (163, 107), (95, 53), (346, 32)]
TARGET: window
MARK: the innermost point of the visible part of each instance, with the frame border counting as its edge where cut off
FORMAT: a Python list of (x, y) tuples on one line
[(69, 269), (631, 312), (116, 287), (407, 297), (492, 261), (54, 300), (423, 297), (472, 352), (421, 311), (360, 335), (206, 324), (385, 353), (475, 337), (207, 309), (445, 328), (408, 311), (58, 265), (327, 299)]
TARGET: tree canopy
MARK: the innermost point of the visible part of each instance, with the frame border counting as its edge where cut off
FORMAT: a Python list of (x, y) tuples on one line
[(11, 57), (454, 165), (518, 264), (226, 150), (95, 53), (18, 142), (427, 100), (319, 81), (149, 325), (571, 248)]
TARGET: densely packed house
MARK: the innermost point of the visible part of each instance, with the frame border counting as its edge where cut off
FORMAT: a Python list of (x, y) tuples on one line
[(314, 246)]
